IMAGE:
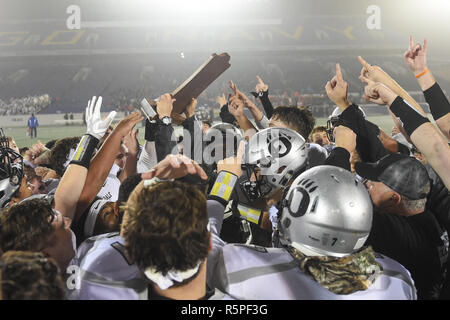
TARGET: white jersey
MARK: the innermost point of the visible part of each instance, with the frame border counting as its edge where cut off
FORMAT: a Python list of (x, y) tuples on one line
[(147, 157), (110, 188), (258, 273), (107, 273)]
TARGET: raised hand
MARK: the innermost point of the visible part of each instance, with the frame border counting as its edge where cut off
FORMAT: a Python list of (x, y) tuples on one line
[(337, 89), (238, 94), (131, 141), (378, 93), (261, 86), (233, 164), (127, 124), (97, 127), (236, 106), (374, 73), (221, 100), (165, 105), (416, 56), (35, 151), (173, 167)]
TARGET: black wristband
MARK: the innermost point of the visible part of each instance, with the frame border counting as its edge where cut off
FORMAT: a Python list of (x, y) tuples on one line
[(150, 130), (225, 115), (84, 151), (264, 94), (411, 118), (339, 157), (438, 102), (341, 152), (261, 94)]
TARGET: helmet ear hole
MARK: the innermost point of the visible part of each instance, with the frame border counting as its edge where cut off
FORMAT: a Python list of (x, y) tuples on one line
[(14, 180)]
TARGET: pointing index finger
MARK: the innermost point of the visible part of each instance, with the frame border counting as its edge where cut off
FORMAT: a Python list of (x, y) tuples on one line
[(259, 80), (339, 73), (363, 62)]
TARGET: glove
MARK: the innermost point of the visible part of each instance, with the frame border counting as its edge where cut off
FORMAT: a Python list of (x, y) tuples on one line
[(97, 127)]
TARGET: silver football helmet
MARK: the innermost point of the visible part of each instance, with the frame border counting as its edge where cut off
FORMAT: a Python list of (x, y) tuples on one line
[(222, 141), (326, 211), (275, 155)]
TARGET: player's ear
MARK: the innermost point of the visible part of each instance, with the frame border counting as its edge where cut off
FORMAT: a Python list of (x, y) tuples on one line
[(396, 198)]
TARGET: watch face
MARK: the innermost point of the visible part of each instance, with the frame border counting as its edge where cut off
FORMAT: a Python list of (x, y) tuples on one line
[(166, 120)]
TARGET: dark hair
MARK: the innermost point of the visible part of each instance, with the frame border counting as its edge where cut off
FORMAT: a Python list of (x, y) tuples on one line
[(127, 186), (51, 144), (23, 150), (167, 227), (299, 119), (29, 276), (226, 116), (26, 226), (319, 129), (60, 152), (30, 174)]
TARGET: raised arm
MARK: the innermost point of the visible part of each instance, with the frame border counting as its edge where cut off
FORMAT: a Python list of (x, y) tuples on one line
[(262, 91), (192, 133), (103, 161), (72, 183), (337, 90), (416, 59), (164, 144), (423, 134), (376, 74), (132, 145), (368, 145), (236, 105)]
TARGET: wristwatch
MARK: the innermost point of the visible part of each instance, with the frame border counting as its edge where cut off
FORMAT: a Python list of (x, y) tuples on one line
[(166, 120)]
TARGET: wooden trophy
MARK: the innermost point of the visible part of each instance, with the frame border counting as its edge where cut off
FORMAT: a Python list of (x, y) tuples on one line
[(193, 86)]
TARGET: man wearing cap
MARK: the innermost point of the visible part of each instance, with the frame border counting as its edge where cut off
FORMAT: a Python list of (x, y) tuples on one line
[(402, 228)]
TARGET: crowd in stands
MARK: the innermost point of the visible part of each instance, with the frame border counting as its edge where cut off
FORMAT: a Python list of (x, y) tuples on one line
[(264, 205), (25, 105)]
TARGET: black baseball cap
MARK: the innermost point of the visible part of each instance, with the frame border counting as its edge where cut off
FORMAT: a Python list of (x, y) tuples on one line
[(402, 173)]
